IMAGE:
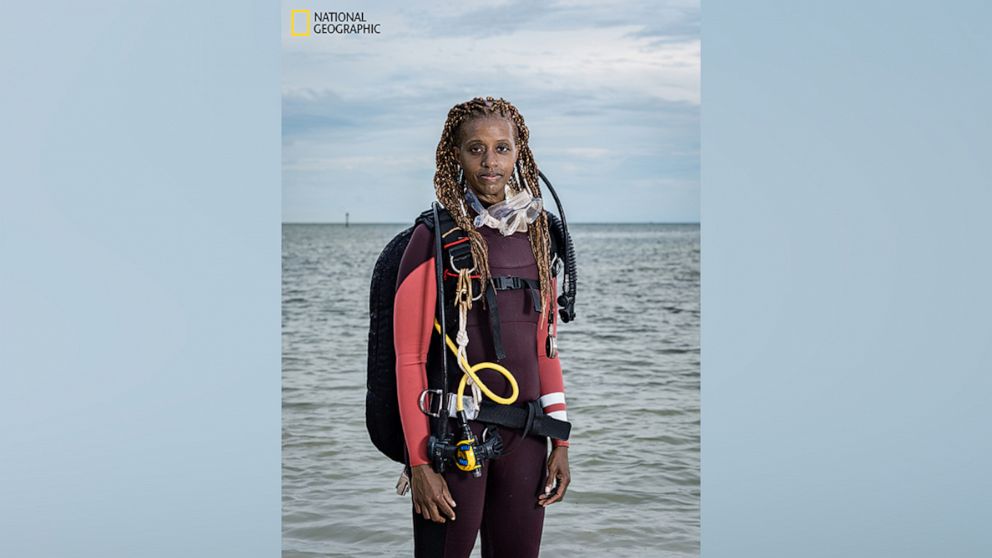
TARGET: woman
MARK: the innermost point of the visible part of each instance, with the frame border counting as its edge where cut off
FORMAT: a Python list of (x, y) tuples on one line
[(483, 142)]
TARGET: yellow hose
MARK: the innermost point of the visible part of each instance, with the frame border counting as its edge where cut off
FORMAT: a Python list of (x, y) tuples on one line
[(472, 369)]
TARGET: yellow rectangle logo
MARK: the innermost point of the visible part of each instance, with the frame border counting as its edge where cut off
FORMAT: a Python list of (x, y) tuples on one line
[(292, 23)]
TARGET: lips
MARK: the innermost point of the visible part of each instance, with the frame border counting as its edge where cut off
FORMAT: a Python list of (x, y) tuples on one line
[(494, 177)]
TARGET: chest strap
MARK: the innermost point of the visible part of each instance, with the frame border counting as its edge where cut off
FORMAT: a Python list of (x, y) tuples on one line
[(501, 284), (505, 283)]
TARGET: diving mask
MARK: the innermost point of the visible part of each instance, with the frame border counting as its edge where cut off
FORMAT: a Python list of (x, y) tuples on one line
[(511, 215)]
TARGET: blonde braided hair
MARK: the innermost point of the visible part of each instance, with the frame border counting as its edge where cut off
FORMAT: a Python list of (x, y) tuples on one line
[(450, 193)]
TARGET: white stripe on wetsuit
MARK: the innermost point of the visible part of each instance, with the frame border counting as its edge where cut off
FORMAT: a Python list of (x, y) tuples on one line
[(552, 399)]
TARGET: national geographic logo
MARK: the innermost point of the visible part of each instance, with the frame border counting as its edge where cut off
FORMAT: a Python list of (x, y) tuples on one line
[(303, 23)]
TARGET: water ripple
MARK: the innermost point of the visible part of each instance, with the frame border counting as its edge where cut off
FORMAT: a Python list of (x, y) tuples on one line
[(631, 364)]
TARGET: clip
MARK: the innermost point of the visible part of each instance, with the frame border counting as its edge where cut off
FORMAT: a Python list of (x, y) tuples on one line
[(430, 404)]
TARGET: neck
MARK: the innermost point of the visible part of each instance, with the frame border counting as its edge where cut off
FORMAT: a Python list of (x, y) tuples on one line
[(489, 200)]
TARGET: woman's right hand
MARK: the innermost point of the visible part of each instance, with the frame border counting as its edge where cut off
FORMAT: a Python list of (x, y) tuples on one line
[(431, 498)]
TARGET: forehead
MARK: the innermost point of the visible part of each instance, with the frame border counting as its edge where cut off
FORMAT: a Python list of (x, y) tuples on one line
[(493, 128)]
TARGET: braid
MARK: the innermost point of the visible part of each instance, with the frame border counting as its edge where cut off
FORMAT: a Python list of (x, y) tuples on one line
[(451, 193)]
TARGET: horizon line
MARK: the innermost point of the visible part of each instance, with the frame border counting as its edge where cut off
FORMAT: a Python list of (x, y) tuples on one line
[(575, 223)]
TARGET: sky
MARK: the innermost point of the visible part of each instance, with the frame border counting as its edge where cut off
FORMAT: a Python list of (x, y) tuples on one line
[(609, 91)]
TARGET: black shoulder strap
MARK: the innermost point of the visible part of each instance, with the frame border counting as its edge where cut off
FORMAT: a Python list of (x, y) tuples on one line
[(427, 218)]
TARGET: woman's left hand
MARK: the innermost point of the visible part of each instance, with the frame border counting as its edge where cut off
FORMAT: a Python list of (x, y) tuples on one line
[(557, 470)]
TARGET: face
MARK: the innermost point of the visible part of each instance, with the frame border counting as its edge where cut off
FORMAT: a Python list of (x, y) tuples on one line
[(487, 151)]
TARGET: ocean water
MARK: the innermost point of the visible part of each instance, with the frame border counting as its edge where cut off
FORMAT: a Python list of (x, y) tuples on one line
[(631, 366)]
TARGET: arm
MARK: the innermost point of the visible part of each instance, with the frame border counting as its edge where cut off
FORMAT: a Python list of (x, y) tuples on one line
[(549, 370), (553, 403), (413, 321)]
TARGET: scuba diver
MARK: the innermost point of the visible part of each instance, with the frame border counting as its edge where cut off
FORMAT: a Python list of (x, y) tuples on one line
[(478, 380)]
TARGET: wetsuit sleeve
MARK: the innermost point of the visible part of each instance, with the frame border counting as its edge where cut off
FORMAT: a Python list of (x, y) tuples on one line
[(413, 319), (549, 370)]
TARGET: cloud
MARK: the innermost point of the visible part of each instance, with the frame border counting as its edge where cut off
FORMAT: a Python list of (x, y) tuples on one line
[(610, 92)]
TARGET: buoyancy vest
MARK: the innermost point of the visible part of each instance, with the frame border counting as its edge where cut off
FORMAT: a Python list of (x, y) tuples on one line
[(382, 410)]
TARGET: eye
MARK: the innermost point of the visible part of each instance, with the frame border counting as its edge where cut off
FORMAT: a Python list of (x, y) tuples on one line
[(476, 149), (503, 148)]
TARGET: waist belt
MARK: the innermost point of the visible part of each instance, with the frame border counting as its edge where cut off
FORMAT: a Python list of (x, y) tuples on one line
[(531, 419)]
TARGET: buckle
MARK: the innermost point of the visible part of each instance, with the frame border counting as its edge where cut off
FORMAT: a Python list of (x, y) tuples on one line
[(435, 397), (460, 253), (505, 283)]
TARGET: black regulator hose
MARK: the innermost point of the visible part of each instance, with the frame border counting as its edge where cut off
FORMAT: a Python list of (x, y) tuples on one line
[(566, 302), (442, 422)]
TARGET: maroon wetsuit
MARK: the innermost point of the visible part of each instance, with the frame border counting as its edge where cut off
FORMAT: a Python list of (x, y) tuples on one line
[(503, 502)]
